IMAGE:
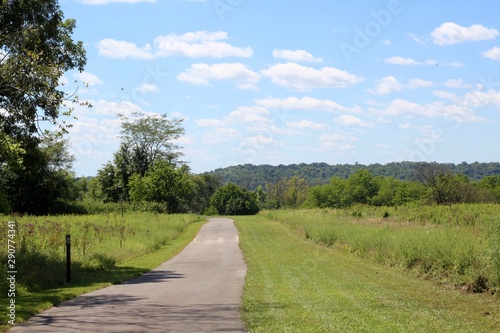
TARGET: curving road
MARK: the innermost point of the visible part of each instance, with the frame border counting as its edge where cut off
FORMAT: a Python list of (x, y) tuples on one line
[(199, 290)]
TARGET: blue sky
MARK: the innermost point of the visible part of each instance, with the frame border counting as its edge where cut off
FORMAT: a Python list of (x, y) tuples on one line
[(280, 82)]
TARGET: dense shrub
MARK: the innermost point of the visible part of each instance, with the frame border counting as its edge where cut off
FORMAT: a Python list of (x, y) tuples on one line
[(234, 200)]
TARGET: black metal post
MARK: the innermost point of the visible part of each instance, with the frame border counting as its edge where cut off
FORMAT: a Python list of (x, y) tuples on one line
[(68, 258)]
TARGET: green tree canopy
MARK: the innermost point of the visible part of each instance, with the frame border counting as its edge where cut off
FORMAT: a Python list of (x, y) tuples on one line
[(232, 199), (150, 138), (163, 184), (36, 48), (360, 187)]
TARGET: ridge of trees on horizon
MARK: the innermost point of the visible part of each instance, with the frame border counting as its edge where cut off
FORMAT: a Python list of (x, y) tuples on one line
[(252, 176)]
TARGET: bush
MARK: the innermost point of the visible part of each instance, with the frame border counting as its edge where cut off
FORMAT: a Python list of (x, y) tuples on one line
[(234, 200)]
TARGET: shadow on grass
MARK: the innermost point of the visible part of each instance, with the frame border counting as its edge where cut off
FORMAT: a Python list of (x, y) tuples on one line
[(258, 313)]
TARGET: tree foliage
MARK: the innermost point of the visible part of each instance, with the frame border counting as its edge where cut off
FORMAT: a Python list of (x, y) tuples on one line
[(234, 200), (44, 183), (150, 138), (164, 184), (285, 193), (36, 48), (252, 176)]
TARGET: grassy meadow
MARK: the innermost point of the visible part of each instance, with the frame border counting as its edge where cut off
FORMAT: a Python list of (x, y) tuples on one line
[(362, 269), (105, 249), (458, 244), (303, 278)]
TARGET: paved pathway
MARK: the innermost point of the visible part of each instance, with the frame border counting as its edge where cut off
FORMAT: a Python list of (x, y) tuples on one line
[(199, 290)]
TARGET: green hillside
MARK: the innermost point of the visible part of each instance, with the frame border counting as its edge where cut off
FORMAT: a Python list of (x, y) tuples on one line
[(251, 176)]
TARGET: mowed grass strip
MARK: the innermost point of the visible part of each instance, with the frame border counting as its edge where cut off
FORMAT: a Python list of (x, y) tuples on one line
[(296, 285)]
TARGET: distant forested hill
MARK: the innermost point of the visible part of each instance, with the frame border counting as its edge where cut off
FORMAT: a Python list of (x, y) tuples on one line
[(251, 176)]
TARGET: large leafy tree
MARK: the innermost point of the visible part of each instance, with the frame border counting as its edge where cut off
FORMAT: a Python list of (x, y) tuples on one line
[(146, 139), (36, 48), (150, 138)]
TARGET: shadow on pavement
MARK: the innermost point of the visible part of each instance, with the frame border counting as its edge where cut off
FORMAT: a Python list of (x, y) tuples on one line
[(125, 319), (155, 276)]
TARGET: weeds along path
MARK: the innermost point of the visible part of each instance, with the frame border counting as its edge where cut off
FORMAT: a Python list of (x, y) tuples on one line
[(295, 285), (199, 290)]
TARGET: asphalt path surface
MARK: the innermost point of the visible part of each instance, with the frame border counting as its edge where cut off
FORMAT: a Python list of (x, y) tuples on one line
[(199, 290)]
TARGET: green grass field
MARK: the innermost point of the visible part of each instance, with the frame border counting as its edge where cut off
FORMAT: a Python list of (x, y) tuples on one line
[(457, 245), (362, 269), (296, 284)]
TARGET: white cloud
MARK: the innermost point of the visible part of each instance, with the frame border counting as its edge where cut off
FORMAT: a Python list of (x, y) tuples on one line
[(350, 120), (88, 78), (493, 53), (220, 134), (305, 124), (456, 83), (105, 2), (237, 124), (119, 49), (386, 85), (305, 103), (191, 44), (337, 143), (418, 39), (248, 114), (478, 98), (457, 111), (401, 61), (452, 33), (429, 62), (295, 56), (199, 44), (418, 83), (202, 74), (390, 84), (446, 95), (147, 88), (301, 78), (451, 64), (209, 122), (258, 140)]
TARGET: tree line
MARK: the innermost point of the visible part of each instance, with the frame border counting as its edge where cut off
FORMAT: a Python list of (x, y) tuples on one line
[(434, 184), (252, 176)]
